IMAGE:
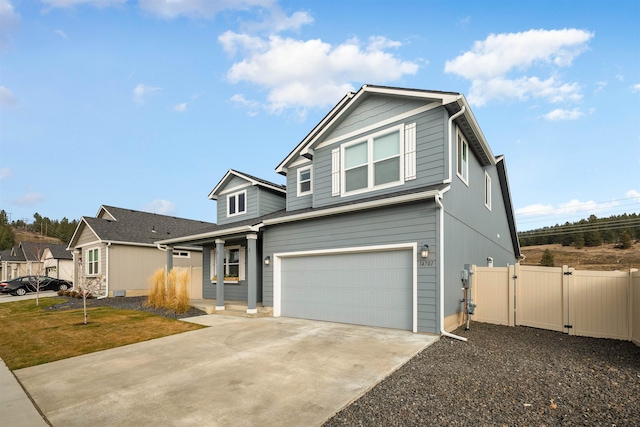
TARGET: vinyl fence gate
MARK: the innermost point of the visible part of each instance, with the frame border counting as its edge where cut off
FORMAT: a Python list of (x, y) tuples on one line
[(577, 302)]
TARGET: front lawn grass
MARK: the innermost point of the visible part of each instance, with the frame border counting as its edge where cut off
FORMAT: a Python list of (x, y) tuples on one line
[(31, 335)]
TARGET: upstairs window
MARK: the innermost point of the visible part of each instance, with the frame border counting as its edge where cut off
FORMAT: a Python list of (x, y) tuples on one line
[(237, 203), (463, 158), (373, 163), (487, 190), (304, 181)]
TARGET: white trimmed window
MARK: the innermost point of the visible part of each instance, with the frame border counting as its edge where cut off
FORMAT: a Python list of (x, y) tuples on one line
[(181, 254), (304, 181), (237, 203), (463, 158), (93, 261), (487, 190), (373, 163), (234, 264)]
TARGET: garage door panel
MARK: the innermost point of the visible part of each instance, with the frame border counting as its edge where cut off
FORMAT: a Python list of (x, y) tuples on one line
[(361, 288)]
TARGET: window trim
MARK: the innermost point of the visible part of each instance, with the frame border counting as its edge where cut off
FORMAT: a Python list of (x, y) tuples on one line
[(487, 190), (370, 162), (235, 203), (181, 254), (242, 261), (310, 180), (97, 262), (462, 165)]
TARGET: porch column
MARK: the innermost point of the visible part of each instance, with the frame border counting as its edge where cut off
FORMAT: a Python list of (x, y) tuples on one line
[(169, 258), (219, 274), (252, 276)]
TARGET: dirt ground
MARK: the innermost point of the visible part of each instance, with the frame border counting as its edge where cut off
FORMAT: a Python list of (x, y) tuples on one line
[(603, 258)]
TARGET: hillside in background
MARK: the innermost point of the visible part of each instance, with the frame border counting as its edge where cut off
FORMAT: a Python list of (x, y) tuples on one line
[(606, 257), (22, 235)]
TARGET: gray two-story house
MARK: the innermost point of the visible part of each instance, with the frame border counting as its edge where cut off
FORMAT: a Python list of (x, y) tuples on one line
[(386, 200)]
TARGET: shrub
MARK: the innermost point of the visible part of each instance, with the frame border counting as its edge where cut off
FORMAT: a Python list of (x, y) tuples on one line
[(171, 293), (547, 259)]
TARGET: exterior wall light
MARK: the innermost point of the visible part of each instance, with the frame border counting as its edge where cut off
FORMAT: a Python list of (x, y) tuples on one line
[(424, 252), (267, 260)]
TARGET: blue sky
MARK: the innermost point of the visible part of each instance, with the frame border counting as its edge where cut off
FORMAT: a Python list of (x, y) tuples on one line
[(146, 104)]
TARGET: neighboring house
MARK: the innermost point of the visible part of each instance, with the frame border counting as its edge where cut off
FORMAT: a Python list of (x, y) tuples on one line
[(387, 199), (118, 247), (33, 258), (58, 262)]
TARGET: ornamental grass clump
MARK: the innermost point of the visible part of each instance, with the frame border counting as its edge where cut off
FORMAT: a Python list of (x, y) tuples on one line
[(169, 292)]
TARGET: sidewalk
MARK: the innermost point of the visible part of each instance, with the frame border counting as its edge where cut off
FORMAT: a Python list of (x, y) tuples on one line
[(16, 409)]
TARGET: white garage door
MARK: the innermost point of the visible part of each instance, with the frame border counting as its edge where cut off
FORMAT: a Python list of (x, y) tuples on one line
[(373, 288)]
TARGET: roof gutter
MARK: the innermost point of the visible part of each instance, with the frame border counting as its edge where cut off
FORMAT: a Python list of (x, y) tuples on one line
[(209, 235), (441, 268)]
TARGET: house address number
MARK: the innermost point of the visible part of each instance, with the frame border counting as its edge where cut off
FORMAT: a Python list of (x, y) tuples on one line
[(427, 263)]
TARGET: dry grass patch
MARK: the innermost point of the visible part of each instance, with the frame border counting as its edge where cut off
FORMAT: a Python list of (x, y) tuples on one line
[(32, 335), (605, 257)]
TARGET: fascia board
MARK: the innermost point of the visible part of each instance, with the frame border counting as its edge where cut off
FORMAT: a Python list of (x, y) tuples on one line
[(212, 195), (253, 182), (209, 235), (72, 242), (476, 129), (354, 207), (281, 169)]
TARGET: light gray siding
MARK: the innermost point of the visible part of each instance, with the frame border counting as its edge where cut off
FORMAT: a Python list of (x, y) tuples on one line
[(293, 201), (406, 223), (473, 233), (430, 155), (371, 111), (269, 201)]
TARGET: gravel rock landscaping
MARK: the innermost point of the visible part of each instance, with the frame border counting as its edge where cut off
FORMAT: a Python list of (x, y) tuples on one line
[(507, 376), (125, 303)]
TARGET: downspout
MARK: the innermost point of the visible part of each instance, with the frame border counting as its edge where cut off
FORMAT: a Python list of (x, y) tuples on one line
[(450, 124), (441, 267), (106, 275)]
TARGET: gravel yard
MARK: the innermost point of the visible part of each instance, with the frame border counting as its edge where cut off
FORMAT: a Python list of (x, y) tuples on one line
[(507, 376)]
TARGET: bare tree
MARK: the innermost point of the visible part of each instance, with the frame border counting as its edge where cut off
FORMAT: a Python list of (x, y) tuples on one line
[(34, 252), (88, 289)]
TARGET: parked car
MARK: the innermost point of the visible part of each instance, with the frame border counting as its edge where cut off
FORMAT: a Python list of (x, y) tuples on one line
[(24, 284)]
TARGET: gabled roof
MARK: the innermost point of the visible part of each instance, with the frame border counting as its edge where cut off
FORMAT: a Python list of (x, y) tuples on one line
[(250, 179), (135, 227), (60, 251), (33, 251), (453, 101)]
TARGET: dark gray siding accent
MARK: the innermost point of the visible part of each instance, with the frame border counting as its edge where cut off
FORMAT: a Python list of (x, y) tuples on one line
[(405, 223), (269, 201), (373, 110), (293, 201), (472, 232), (431, 145)]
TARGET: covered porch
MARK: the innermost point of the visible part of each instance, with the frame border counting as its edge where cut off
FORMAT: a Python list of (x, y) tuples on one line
[(231, 270)]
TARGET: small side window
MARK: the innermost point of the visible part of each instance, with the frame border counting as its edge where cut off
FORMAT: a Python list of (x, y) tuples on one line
[(304, 181), (463, 159), (487, 190)]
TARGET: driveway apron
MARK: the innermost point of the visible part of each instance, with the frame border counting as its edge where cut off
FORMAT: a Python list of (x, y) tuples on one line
[(238, 372)]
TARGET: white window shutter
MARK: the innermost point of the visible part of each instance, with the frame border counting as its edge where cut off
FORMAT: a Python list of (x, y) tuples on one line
[(335, 172), (410, 152), (241, 269)]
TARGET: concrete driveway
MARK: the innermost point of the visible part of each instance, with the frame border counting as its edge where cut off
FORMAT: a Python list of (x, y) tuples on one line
[(240, 372)]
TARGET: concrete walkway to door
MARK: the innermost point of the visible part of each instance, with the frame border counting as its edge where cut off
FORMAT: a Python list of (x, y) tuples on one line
[(238, 372)]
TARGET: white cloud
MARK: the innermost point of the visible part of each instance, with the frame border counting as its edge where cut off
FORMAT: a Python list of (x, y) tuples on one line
[(6, 98), (571, 207), (633, 194), (249, 105), (5, 173), (141, 91), (160, 206), (300, 74), (207, 9), (29, 199), (635, 87), (180, 108), (68, 4), (9, 22), (601, 85), (60, 33), (497, 66), (560, 114)]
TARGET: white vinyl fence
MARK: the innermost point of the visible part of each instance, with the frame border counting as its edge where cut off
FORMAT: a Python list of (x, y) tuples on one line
[(602, 304)]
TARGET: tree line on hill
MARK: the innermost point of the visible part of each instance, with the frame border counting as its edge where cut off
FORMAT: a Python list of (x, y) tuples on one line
[(621, 230), (44, 226)]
